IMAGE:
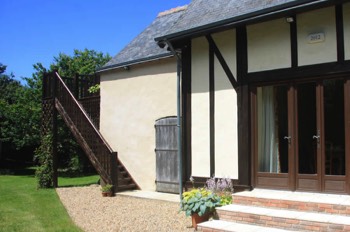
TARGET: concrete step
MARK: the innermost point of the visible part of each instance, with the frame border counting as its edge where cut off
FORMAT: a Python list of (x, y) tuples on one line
[(284, 219), (285, 210), (309, 202), (219, 225)]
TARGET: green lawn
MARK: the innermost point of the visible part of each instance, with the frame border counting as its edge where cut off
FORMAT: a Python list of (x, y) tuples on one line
[(24, 208)]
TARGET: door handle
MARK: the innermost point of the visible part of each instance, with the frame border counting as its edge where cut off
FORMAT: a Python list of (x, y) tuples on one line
[(288, 138), (317, 137)]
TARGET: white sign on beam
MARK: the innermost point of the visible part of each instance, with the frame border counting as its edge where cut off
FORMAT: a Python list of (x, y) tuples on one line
[(316, 38)]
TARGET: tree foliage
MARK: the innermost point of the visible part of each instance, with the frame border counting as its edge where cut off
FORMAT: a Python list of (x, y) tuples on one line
[(20, 104), (19, 113), (82, 62)]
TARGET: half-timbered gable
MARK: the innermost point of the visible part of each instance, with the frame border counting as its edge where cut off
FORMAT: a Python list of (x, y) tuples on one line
[(265, 92)]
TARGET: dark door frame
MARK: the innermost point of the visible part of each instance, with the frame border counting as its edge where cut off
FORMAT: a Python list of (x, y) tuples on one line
[(289, 181)]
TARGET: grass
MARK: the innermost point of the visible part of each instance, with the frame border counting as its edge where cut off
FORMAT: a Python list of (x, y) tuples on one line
[(23, 207), (78, 181)]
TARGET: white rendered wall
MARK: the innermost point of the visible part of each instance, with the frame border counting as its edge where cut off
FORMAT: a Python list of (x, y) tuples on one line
[(226, 140), (200, 108), (269, 45), (346, 15), (131, 101), (226, 147), (317, 21), (226, 42)]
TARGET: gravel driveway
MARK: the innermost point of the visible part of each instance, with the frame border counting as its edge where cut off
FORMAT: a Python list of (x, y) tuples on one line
[(92, 212)]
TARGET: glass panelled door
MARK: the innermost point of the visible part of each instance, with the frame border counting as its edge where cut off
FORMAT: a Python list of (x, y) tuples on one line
[(308, 138), (321, 136), (334, 133), (273, 129), (300, 136), (273, 139)]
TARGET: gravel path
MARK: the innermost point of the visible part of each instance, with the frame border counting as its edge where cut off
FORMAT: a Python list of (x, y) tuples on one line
[(92, 212)]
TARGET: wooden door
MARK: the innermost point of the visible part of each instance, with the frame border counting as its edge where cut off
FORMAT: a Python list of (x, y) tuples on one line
[(304, 126), (320, 145)]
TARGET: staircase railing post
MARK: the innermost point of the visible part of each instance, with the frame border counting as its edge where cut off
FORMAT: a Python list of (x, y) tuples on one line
[(76, 86), (54, 134), (113, 171)]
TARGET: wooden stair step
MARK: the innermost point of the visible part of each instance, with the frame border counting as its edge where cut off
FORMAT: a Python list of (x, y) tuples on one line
[(127, 187), (282, 218), (219, 225)]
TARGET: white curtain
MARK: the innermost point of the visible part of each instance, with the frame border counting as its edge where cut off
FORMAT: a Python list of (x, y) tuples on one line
[(267, 131)]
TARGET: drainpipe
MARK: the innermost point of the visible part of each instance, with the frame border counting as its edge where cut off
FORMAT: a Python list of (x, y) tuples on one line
[(179, 141)]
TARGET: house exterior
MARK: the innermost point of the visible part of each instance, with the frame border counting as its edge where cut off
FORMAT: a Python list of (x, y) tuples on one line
[(266, 92), (138, 86)]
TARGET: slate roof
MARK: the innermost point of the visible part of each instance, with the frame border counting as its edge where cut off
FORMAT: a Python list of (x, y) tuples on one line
[(203, 14), (143, 48)]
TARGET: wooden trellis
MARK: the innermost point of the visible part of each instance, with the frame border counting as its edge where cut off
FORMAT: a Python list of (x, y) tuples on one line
[(81, 112)]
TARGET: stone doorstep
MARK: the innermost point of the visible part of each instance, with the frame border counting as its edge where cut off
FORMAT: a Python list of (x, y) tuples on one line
[(294, 205), (218, 225), (309, 202), (286, 219)]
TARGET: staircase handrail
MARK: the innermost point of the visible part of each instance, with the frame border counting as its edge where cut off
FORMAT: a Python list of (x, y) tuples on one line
[(84, 113)]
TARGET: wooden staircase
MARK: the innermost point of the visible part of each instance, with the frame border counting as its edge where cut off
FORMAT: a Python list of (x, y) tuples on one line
[(102, 157), (268, 210)]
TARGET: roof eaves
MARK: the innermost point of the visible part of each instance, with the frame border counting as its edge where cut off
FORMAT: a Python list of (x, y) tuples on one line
[(241, 19), (134, 62)]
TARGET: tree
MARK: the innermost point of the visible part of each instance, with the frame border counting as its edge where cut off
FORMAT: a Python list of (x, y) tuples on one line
[(18, 114), (82, 62), (19, 117), (20, 105)]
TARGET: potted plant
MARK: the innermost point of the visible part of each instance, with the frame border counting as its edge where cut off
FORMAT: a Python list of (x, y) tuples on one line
[(199, 204), (107, 190), (222, 187)]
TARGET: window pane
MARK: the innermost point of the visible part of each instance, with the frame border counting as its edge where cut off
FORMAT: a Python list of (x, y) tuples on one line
[(334, 127), (307, 129), (272, 106)]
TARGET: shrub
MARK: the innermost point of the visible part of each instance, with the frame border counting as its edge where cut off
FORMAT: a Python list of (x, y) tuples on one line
[(199, 201), (43, 156)]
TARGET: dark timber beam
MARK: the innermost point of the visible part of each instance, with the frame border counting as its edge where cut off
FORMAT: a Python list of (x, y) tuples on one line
[(212, 108), (243, 105), (222, 61), (340, 32), (294, 42), (186, 110)]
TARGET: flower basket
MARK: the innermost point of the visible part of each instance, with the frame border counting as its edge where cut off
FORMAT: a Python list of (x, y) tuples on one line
[(196, 219), (199, 204), (107, 190)]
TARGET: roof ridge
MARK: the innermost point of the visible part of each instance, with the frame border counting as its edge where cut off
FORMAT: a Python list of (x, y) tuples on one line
[(172, 10)]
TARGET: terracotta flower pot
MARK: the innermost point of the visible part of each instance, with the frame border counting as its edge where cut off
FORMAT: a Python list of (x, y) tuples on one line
[(196, 219), (107, 194)]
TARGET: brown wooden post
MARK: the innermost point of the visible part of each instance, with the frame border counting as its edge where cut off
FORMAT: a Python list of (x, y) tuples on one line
[(186, 112), (244, 158), (54, 134), (113, 171), (76, 86), (243, 105)]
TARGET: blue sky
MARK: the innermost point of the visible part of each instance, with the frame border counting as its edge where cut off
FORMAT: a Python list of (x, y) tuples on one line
[(37, 30)]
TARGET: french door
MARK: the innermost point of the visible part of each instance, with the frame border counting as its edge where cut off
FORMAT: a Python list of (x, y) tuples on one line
[(302, 136)]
